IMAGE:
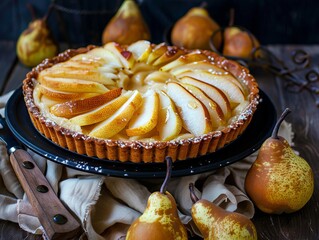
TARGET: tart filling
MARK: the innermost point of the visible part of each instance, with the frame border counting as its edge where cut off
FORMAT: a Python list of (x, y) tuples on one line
[(140, 102)]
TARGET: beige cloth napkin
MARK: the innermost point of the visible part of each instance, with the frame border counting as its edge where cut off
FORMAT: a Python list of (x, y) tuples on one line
[(106, 206)]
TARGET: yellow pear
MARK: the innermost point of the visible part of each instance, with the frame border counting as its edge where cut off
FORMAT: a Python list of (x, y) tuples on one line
[(127, 26), (279, 181), (35, 44), (238, 41), (215, 223), (194, 30), (160, 220)]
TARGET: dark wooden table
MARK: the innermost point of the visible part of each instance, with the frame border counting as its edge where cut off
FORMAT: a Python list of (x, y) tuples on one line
[(304, 118)]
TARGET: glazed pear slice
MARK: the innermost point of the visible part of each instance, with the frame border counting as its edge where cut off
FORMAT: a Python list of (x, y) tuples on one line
[(119, 119), (63, 96), (185, 59), (212, 92), (215, 112), (74, 107), (101, 113), (232, 91), (141, 50), (81, 74), (156, 52), (125, 56), (169, 122), (145, 118), (199, 65), (171, 54), (72, 85), (159, 77), (193, 112)]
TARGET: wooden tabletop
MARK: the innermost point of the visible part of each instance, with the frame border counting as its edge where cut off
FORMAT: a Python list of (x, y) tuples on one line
[(303, 224)]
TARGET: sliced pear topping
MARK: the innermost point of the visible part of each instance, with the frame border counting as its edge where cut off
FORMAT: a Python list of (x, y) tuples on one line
[(146, 116), (63, 96), (125, 57), (212, 92), (157, 52), (184, 59), (101, 113), (169, 122), (232, 91), (171, 54), (72, 85), (75, 107), (215, 112), (194, 114), (119, 119), (141, 50)]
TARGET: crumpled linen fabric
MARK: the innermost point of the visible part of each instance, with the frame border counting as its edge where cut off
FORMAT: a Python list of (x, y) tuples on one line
[(106, 206)]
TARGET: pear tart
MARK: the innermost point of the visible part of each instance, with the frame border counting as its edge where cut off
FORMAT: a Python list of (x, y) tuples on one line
[(140, 102)]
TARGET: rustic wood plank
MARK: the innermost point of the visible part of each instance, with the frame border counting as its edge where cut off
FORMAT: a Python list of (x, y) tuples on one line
[(7, 60)]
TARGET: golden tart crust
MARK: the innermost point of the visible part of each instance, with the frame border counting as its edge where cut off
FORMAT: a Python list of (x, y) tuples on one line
[(138, 150)]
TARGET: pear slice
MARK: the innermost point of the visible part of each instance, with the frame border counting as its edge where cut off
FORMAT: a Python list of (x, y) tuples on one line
[(125, 56), (63, 96), (209, 67), (81, 74), (232, 91), (74, 107), (72, 85), (212, 92), (109, 58), (145, 119), (184, 59), (156, 52), (119, 119), (101, 113), (159, 77), (169, 122), (193, 112), (171, 54), (141, 50), (200, 65), (215, 112)]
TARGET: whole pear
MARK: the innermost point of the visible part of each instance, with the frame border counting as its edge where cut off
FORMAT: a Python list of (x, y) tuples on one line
[(126, 26), (239, 43), (194, 30), (279, 181), (35, 44), (160, 220), (215, 223)]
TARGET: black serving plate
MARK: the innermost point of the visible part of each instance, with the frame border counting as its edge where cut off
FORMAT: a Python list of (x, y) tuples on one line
[(258, 130)]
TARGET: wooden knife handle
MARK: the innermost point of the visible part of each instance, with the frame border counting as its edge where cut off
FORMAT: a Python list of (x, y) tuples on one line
[(57, 221)]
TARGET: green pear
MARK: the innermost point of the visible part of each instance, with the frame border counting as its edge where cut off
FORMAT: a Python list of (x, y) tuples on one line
[(126, 26), (36, 44), (215, 223), (279, 181), (194, 30), (160, 220)]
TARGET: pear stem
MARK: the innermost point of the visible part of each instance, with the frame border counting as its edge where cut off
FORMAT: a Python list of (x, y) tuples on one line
[(192, 193), (46, 16), (203, 5), (31, 10), (168, 174), (231, 17), (278, 123)]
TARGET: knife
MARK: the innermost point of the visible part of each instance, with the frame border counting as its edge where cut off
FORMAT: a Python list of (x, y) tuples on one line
[(56, 220)]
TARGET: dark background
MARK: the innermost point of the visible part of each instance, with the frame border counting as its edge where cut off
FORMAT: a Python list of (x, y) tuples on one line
[(81, 22)]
